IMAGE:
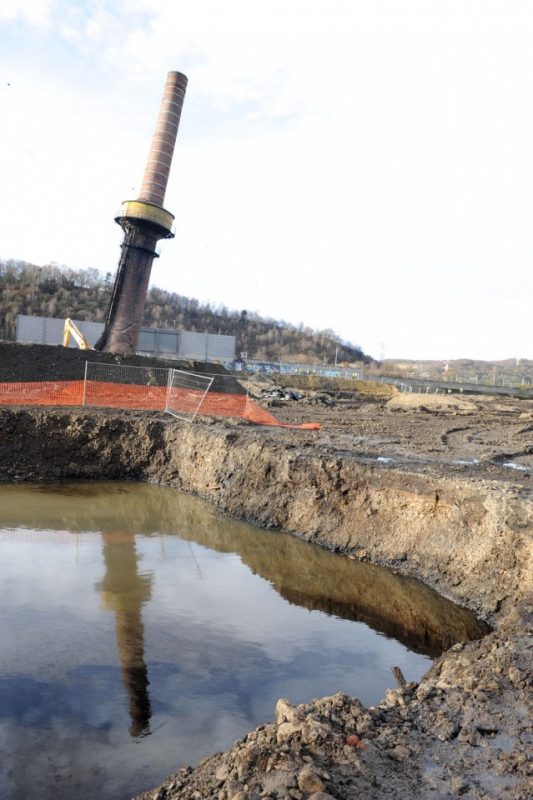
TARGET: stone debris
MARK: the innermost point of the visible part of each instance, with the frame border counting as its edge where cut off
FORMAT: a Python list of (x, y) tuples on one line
[(321, 796), (436, 739), (309, 780), (280, 393)]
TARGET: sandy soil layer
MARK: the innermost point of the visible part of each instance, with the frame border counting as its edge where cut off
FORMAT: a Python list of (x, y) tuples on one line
[(441, 493)]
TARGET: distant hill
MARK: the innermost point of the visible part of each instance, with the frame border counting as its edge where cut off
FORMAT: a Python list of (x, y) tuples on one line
[(57, 291)]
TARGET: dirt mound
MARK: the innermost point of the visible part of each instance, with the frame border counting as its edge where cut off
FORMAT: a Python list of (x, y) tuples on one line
[(41, 362), (433, 402)]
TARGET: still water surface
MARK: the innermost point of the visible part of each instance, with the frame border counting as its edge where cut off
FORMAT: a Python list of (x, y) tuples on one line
[(140, 630)]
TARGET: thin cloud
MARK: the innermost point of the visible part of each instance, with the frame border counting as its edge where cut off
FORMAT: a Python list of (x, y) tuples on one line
[(38, 13)]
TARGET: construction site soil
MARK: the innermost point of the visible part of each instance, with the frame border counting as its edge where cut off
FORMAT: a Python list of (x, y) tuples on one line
[(437, 488), (27, 362)]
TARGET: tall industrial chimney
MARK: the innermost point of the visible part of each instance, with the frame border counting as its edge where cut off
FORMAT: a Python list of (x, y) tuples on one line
[(144, 221)]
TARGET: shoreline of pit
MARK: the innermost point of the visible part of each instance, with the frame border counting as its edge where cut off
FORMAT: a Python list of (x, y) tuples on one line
[(466, 533)]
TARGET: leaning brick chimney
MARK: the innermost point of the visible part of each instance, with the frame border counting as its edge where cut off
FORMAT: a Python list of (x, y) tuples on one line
[(144, 221)]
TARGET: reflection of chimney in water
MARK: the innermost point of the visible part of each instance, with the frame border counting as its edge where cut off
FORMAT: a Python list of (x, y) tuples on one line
[(124, 591)]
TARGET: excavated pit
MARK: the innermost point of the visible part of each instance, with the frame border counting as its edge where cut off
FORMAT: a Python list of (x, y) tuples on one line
[(141, 614), (463, 529)]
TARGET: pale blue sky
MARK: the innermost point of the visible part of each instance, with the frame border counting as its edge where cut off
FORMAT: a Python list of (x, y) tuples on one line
[(363, 165)]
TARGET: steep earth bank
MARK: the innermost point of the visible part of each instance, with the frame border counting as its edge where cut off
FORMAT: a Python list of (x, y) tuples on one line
[(466, 536), (463, 730)]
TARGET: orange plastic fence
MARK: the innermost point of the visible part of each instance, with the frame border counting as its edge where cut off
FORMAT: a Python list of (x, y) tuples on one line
[(42, 393), (125, 395), (135, 397)]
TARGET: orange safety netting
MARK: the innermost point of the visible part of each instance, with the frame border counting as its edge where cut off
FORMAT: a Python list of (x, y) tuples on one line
[(136, 397), (125, 395), (42, 393)]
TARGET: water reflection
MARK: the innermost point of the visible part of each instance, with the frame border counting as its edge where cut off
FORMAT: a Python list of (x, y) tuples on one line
[(303, 574), (125, 591), (213, 620)]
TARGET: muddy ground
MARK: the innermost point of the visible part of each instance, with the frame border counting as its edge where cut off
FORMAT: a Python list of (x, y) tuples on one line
[(435, 488)]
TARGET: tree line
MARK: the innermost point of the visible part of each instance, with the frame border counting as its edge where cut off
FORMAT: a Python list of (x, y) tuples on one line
[(59, 291)]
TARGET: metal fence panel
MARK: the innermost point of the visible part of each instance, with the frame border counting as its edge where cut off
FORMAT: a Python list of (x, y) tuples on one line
[(193, 346), (147, 340), (186, 393), (296, 368), (220, 348), (49, 330), (167, 343), (206, 346), (30, 329), (152, 341), (53, 330), (158, 341)]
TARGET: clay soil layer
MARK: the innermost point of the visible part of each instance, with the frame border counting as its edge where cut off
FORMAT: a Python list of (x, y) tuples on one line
[(436, 489)]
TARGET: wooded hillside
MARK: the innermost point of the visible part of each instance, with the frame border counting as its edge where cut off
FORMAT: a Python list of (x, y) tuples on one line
[(57, 291)]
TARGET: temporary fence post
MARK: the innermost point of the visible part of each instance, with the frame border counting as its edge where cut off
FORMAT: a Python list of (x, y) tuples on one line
[(202, 400), (84, 384), (169, 387)]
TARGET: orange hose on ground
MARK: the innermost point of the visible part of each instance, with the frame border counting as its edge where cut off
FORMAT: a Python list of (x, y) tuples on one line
[(144, 398)]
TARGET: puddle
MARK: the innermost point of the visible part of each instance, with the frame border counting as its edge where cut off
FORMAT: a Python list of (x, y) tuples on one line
[(141, 630), (514, 465)]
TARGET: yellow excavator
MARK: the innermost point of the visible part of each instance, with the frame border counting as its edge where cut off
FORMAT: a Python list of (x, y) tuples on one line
[(71, 329)]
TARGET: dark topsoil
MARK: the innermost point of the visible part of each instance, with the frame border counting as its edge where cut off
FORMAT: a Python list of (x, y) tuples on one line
[(43, 362), (36, 362)]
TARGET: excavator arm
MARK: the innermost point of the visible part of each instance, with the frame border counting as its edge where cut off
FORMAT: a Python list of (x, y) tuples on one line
[(72, 330)]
